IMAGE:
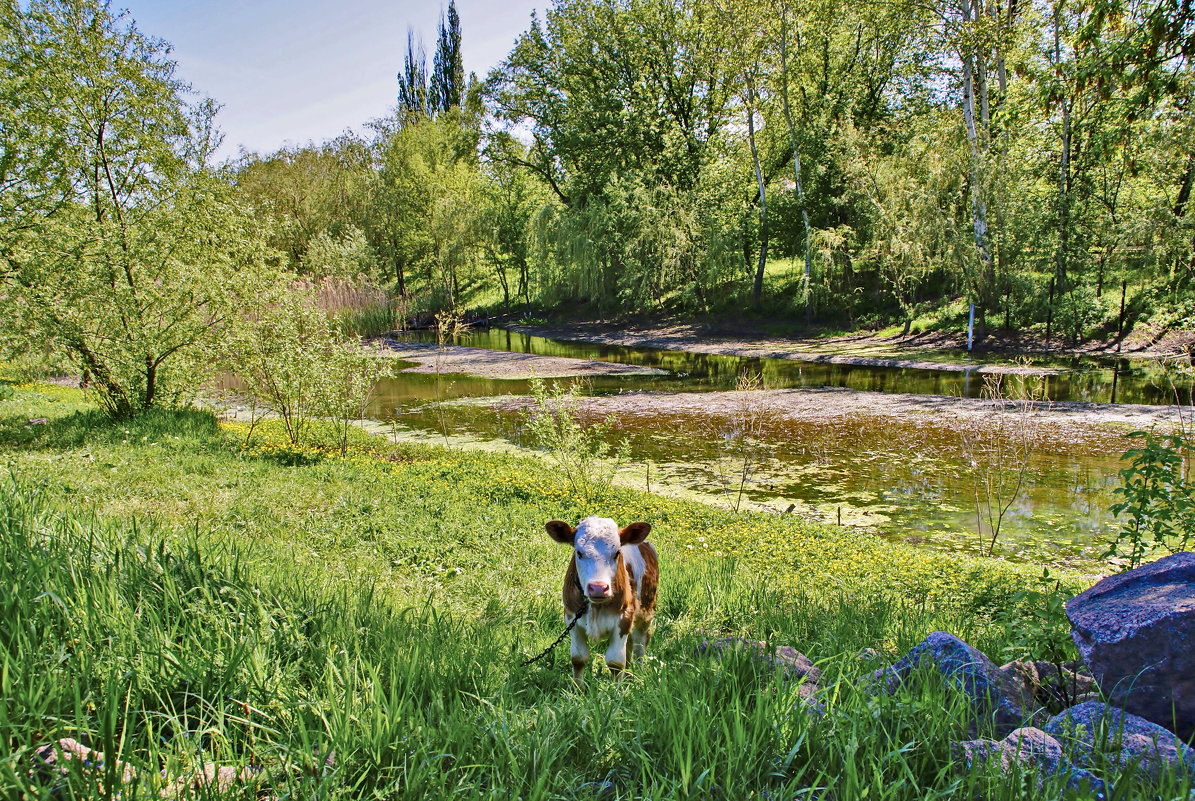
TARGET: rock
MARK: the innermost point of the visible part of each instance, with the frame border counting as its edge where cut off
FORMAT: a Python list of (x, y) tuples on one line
[(974, 753), (1094, 728), (1136, 631), (598, 790), (60, 757), (1031, 749), (212, 779), (788, 660), (991, 691), (1051, 687)]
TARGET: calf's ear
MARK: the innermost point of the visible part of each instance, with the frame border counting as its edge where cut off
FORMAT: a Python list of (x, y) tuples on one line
[(560, 531), (635, 533)]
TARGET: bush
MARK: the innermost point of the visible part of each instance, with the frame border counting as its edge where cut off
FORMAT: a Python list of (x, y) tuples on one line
[(295, 363), (1158, 501), (579, 451)]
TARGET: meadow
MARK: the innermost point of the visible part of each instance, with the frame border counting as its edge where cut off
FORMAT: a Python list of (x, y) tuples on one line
[(181, 591)]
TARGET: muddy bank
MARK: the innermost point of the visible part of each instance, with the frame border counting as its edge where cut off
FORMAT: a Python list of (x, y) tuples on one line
[(863, 349), (830, 404), (501, 364)]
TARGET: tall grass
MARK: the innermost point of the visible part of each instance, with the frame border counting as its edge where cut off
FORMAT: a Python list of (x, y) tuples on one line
[(166, 655), (350, 631), (359, 306)]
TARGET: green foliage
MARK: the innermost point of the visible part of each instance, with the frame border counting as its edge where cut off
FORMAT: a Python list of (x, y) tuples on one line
[(1158, 498), (310, 193), (580, 451), (132, 256), (352, 627), (294, 362), (1036, 624), (346, 256), (423, 203)]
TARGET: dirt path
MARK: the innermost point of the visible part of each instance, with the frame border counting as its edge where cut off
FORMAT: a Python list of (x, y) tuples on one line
[(501, 364)]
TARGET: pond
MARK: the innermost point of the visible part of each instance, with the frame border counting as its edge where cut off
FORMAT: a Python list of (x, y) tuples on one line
[(903, 477), (1080, 378)]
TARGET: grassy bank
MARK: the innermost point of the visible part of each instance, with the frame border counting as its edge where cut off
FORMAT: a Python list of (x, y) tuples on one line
[(177, 593)]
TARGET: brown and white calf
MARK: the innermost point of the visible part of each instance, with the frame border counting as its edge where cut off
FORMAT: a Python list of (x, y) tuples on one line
[(618, 574)]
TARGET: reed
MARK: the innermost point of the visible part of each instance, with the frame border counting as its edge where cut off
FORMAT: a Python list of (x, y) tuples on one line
[(359, 306)]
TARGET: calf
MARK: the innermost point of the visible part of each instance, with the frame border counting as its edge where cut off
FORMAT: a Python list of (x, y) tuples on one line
[(617, 573)]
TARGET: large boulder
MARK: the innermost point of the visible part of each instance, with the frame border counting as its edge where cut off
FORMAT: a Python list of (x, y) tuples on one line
[(1136, 631), (992, 691), (1093, 728)]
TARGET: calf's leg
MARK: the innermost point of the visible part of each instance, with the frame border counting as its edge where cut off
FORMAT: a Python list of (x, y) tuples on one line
[(616, 654), (640, 637), (579, 652)]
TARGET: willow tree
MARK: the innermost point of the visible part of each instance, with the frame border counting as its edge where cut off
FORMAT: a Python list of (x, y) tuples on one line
[(131, 256), (423, 202), (626, 103)]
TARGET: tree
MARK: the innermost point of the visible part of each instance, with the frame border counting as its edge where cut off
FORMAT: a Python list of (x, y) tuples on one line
[(423, 202), (627, 104), (129, 253), (307, 192), (412, 81), (447, 90), (512, 200)]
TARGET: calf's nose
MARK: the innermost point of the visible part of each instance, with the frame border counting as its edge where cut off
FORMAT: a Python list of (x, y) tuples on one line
[(597, 589)]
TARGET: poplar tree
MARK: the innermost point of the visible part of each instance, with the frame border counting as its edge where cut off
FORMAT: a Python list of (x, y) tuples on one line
[(412, 81), (448, 73)]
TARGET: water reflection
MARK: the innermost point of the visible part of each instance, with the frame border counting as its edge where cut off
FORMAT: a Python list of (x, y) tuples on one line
[(906, 480), (1082, 378)]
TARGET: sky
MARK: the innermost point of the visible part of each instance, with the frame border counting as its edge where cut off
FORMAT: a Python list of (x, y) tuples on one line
[(298, 71)]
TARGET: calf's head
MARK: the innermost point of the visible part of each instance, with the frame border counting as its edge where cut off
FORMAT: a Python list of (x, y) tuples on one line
[(597, 544)]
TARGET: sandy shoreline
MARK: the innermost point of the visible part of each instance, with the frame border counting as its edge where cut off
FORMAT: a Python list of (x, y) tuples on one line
[(799, 404), (825, 404), (864, 350), (860, 348), (484, 363)]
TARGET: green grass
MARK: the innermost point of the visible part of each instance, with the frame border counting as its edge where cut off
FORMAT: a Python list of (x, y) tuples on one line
[(353, 627)]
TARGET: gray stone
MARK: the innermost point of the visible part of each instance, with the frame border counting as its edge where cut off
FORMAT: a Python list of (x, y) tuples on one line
[(1136, 631), (61, 756), (213, 779), (788, 660), (991, 691), (1093, 728), (1030, 749), (1053, 686), (599, 790)]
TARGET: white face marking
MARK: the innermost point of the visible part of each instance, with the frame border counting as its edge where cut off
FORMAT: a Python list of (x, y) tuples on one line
[(596, 547)]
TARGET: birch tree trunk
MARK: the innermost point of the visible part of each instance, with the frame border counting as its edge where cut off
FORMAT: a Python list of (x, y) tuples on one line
[(757, 288), (792, 138), (978, 147)]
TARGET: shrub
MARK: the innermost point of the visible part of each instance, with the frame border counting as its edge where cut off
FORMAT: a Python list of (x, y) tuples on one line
[(295, 363), (579, 451), (1157, 498)]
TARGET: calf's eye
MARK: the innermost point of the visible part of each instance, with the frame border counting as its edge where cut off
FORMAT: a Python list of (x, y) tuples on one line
[(580, 555)]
